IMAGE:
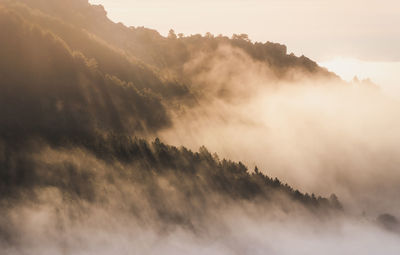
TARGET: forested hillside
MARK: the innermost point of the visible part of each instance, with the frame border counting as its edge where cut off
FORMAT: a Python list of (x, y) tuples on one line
[(80, 97)]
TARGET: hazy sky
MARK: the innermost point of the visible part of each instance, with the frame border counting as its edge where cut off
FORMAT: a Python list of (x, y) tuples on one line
[(324, 30), (364, 29)]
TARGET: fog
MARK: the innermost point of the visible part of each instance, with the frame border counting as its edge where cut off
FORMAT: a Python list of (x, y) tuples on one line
[(315, 134), (55, 226), (117, 140)]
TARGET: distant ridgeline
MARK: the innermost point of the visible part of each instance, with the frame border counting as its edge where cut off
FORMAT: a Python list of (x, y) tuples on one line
[(72, 81)]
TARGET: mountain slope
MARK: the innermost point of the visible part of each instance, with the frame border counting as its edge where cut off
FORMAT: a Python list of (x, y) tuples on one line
[(75, 91)]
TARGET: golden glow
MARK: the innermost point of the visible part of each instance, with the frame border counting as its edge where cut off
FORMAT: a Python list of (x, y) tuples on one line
[(321, 30), (385, 74)]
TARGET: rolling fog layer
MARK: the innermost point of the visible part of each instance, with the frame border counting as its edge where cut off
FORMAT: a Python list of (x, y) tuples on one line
[(58, 228), (316, 134), (121, 218)]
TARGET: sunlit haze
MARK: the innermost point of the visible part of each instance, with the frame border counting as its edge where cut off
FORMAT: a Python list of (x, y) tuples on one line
[(384, 74), (362, 29), (362, 34), (182, 127)]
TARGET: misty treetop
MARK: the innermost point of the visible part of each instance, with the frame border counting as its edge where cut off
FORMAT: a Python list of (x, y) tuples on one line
[(86, 169)]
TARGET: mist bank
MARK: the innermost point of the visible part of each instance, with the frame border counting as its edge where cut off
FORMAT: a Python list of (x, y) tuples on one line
[(234, 229), (316, 133), (131, 196), (83, 100), (126, 192)]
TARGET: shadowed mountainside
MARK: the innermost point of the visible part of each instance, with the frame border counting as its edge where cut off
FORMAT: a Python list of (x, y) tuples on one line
[(75, 88)]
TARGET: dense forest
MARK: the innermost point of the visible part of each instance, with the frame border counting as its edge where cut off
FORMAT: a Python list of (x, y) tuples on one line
[(80, 99)]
